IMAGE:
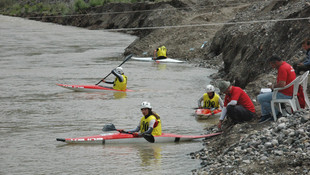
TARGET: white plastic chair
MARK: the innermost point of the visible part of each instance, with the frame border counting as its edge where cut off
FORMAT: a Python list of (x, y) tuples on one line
[(293, 102)]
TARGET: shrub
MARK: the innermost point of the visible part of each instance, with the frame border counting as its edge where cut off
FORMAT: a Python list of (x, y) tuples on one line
[(80, 5), (94, 3)]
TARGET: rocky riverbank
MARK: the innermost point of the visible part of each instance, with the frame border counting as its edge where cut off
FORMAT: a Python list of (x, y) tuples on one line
[(239, 36), (281, 147)]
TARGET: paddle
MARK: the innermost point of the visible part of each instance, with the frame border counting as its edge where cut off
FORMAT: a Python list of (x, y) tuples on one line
[(110, 127), (126, 59)]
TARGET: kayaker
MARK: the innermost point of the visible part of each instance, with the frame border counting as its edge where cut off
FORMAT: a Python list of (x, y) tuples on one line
[(160, 53), (149, 124), (238, 106), (210, 99), (120, 82)]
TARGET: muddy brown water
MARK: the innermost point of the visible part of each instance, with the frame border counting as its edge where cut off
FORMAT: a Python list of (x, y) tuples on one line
[(34, 111)]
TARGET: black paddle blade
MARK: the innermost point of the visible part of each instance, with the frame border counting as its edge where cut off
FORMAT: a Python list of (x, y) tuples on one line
[(149, 137), (109, 127), (61, 139)]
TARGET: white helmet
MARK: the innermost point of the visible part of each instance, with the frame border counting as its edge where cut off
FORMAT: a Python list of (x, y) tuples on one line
[(119, 70), (210, 88), (146, 104)]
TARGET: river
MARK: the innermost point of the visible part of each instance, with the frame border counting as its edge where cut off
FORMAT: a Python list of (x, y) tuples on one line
[(34, 56)]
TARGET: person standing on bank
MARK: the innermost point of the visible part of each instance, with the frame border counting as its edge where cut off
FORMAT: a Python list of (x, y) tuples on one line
[(237, 104), (286, 75), (120, 82), (160, 53), (149, 124), (304, 65), (210, 99)]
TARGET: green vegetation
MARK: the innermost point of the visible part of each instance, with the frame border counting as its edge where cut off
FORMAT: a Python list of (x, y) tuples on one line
[(48, 7)]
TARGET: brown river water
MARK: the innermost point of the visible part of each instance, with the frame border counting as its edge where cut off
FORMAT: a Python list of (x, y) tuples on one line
[(34, 56)]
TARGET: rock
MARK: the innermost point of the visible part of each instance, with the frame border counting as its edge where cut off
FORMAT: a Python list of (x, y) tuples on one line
[(268, 144), (281, 126), (305, 118), (278, 152), (275, 142)]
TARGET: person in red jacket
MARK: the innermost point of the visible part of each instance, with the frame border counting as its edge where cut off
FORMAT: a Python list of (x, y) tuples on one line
[(237, 104), (286, 75)]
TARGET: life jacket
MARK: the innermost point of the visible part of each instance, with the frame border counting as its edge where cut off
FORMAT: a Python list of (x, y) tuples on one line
[(120, 85), (144, 125), (162, 51), (211, 103)]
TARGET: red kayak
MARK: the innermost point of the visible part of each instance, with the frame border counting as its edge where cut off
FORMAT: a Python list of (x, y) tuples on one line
[(90, 88), (207, 113), (108, 138)]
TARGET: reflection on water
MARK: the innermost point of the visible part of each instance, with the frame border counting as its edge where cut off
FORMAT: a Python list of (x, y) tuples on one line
[(150, 154), (160, 66), (119, 95)]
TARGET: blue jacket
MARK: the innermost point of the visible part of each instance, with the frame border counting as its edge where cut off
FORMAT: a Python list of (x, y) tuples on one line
[(307, 59)]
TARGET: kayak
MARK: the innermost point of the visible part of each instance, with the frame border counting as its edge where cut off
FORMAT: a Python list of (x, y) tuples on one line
[(112, 138), (90, 88), (166, 60), (207, 113)]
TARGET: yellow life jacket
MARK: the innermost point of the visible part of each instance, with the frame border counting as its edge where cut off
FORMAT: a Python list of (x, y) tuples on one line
[(120, 85), (144, 125), (162, 51), (211, 103)]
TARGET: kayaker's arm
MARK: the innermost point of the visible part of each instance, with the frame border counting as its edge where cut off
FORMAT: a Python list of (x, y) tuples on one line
[(149, 131), (108, 82), (134, 130), (119, 76), (199, 101)]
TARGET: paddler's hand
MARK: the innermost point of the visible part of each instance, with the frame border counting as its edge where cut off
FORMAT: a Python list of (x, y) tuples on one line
[(135, 134), (102, 80), (141, 134), (120, 130)]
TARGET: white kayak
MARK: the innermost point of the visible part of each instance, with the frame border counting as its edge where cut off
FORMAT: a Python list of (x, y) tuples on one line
[(117, 138), (166, 60)]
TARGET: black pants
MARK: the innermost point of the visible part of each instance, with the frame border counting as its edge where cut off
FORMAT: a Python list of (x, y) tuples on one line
[(300, 68), (238, 113)]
